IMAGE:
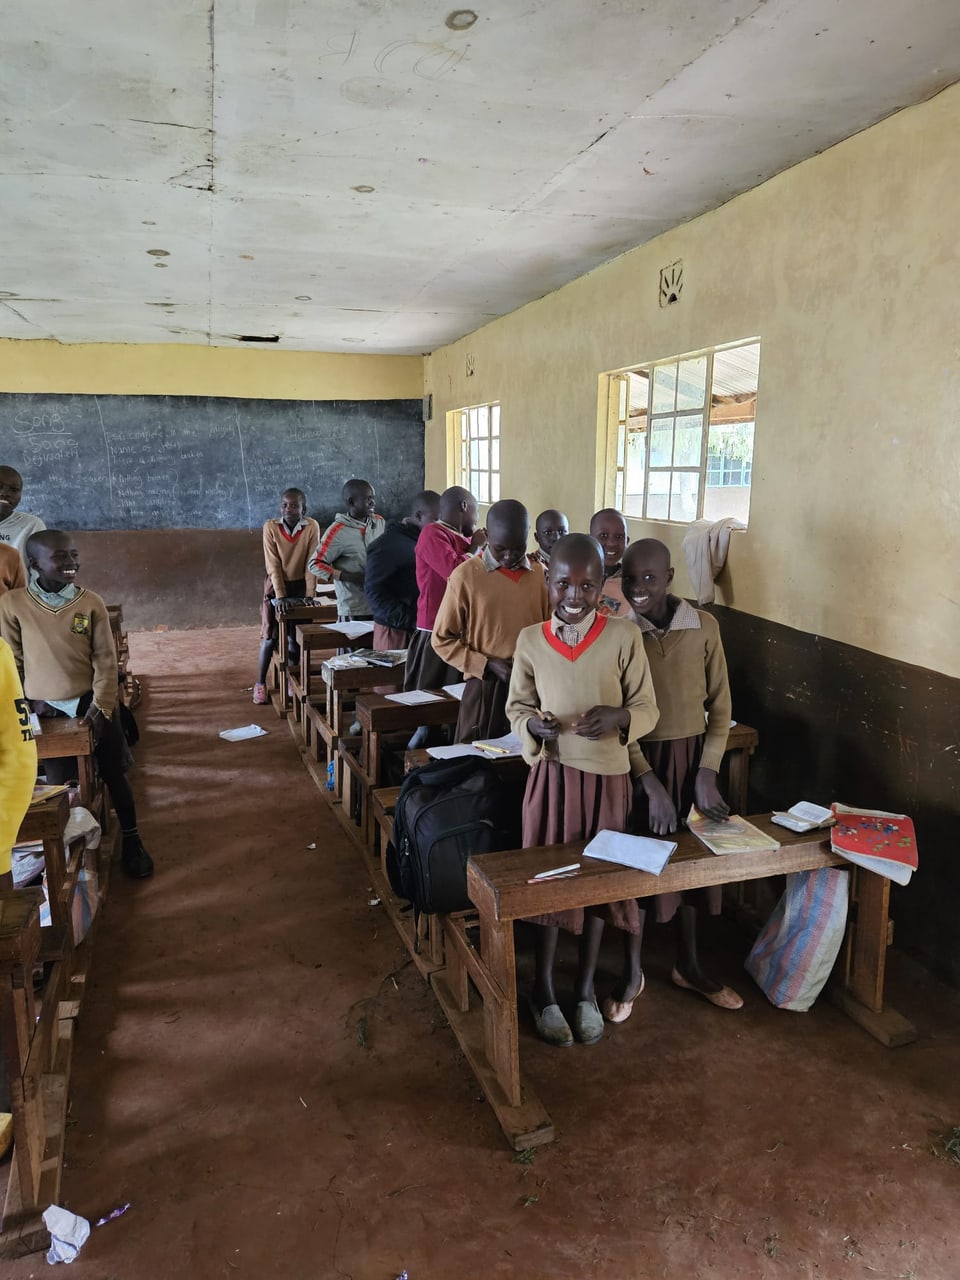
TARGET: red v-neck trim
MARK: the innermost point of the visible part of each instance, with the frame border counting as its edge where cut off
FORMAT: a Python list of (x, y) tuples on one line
[(513, 574), (290, 537), (574, 651)]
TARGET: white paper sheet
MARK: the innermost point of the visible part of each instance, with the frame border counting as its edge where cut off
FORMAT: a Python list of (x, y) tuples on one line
[(353, 630), (455, 690), (454, 752), (639, 852), (508, 745), (414, 697), (343, 661), (241, 735)]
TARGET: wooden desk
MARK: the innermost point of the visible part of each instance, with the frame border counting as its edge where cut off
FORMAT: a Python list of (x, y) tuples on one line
[(328, 721), (497, 884), (741, 744), (62, 736), (46, 823), (322, 611), (379, 716)]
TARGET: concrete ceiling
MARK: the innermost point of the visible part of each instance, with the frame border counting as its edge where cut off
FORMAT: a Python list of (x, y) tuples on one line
[(195, 171)]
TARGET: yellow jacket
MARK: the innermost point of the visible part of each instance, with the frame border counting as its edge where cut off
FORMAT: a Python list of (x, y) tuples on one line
[(18, 755)]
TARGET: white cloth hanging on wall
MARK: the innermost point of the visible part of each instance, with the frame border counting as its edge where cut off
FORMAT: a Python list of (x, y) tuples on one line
[(705, 546)]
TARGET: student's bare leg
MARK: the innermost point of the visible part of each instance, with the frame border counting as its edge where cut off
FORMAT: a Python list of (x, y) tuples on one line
[(631, 982), (266, 651), (688, 962), (589, 952), (545, 955)]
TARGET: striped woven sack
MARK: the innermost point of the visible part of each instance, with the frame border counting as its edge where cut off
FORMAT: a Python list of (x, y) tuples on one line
[(796, 949)]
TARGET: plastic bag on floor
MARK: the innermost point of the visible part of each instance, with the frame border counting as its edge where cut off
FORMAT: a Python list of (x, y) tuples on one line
[(796, 949), (68, 1234)]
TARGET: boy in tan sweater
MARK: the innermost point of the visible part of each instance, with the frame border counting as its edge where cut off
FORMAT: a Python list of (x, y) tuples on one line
[(488, 601), (62, 644), (289, 544)]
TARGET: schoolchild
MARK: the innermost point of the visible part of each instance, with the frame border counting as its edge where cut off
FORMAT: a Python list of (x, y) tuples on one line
[(15, 526), (390, 578), (289, 543), (61, 640), (488, 601), (580, 697), (550, 526), (441, 546), (341, 557), (18, 760), (609, 528), (681, 756)]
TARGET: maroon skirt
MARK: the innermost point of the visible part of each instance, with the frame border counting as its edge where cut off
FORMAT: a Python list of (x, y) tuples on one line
[(483, 709), (675, 762), (562, 803)]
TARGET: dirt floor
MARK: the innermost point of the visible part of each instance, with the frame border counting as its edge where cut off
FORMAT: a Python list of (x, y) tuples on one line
[(223, 1085)]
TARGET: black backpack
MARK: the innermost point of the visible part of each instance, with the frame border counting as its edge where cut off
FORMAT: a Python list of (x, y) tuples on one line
[(446, 812)]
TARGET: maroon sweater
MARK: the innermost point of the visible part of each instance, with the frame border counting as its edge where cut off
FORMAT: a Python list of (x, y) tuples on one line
[(439, 550)]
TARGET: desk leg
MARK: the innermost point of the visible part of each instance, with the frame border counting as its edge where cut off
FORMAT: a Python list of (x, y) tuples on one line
[(738, 773), (500, 1016), (861, 994)]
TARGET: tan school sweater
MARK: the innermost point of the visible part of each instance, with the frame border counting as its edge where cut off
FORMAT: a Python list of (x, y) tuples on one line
[(607, 668), (61, 652), (286, 555), (483, 612), (690, 678)]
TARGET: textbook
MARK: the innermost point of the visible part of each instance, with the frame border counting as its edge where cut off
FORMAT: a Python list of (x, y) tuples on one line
[(47, 790), (382, 657), (642, 853), (885, 843), (736, 835), (804, 816)]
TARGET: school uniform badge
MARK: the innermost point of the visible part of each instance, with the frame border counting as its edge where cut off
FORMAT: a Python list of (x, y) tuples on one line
[(81, 624)]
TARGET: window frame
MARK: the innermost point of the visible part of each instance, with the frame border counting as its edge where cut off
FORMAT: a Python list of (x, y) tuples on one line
[(618, 433), (478, 424)]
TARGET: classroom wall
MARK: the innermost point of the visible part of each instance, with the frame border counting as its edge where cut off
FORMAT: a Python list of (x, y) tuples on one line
[(150, 571), (840, 605)]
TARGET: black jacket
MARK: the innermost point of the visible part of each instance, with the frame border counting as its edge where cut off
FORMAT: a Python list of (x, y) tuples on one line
[(390, 580)]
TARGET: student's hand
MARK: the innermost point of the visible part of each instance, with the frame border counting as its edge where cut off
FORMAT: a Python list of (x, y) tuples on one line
[(478, 540), (97, 721), (602, 722), (707, 797), (353, 576), (500, 667), (281, 605), (661, 811), (545, 726)]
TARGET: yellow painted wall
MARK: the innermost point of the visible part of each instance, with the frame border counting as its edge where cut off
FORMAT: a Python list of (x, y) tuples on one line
[(846, 266), (170, 369)]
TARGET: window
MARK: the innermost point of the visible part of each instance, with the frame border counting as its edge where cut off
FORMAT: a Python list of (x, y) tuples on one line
[(477, 433), (681, 431)]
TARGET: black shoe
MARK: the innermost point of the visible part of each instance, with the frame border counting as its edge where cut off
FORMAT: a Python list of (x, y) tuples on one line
[(137, 863)]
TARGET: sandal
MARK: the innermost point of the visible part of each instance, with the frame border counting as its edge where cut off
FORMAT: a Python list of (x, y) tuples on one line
[(620, 1010), (725, 998)]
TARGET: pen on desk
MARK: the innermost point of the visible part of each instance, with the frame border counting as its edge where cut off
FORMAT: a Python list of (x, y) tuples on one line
[(488, 746), (556, 874)]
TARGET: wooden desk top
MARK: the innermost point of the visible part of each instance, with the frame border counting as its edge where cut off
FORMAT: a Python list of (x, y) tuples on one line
[(358, 678), (742, 737), (318, 635), (497, 882), (64, 736), (377, 714), (19, 915)]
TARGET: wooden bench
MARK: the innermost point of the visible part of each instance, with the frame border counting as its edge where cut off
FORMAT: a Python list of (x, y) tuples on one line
[(62, 736), (327, 719), (45, 824), (477, 989)]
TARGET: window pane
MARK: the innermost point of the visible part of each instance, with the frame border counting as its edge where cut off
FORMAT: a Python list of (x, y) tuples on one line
[(689, 438), (661, 442), (639, 393), (473, 422), (494, 488), (664, 388), (618, 495), (495, 455), (622, 385), (692, 383), (658, 496), (636, 461), (483, 420), (474, 455), (483, 487), (621, 441), (495, 419), (684, 492)]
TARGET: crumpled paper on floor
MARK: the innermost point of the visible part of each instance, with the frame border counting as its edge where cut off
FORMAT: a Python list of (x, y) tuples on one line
[(68, 1234), (241, 735)]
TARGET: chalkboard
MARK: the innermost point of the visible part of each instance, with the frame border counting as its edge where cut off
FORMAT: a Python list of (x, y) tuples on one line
[(189, 462)]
